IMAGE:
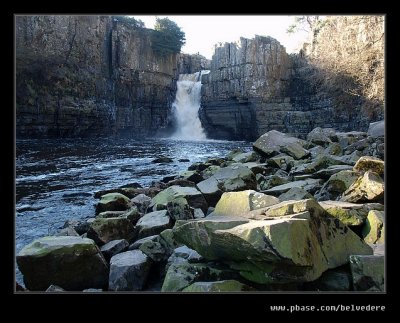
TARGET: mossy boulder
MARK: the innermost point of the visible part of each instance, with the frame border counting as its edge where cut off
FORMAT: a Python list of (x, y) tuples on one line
[(114, 247), (366, 163), (337, 184), (369, 187), (113, 202), (218, 286), (104, 230), (192, 195), (322, 136), (74, 263), (182, 275), (349, 213), (374, 228), (240, 203)]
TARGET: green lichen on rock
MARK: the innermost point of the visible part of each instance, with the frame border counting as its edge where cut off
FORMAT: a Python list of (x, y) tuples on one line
[(113, 202), (374, 230), (104, 230)]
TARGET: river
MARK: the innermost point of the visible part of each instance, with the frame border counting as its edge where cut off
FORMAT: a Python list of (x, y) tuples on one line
[(56, 179)]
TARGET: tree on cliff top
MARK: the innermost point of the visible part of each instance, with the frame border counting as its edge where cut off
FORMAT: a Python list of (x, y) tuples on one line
[(167, 38)]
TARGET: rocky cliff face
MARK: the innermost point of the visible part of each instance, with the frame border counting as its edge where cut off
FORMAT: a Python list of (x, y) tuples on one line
[(254, 86), (192, 63), (89, 76)]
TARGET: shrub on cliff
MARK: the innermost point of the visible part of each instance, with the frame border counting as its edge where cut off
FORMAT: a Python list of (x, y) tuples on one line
[(167, 38)]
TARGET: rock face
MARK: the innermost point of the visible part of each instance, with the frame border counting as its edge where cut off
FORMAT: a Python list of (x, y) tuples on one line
[(89, 76), (73, 263), (254, 86)]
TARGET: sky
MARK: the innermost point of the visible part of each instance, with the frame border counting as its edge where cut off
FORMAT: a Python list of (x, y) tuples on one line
[(203, 32)]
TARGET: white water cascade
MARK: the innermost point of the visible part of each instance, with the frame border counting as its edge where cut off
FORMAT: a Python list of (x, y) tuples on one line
[(186, 107)]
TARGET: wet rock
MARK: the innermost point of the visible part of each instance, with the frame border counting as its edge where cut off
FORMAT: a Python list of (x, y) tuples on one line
[(368, 272), (113, 202), (142, 202), (153, 223), (128, 271), (70, 262), (106, 230), (114, 247), (162, 160)]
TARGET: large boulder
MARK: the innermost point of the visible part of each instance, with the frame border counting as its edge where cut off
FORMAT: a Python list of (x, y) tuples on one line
[(349, 213), (128, 271), (227, 179), (368, 272), (336, 185), (320, 162), (369, 187), (74, 263), (322, 136), (114, 247), (274, 142), (296, 241), (182, 275), (295, 193), (142, 202), (376, 129), (108, 229), (374, 230), (366, 163), (113, 202), (218, 286), (153, 223), (192, 195), (239, 203)]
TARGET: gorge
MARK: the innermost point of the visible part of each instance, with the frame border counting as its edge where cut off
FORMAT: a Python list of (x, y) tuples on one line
[(87, 76)]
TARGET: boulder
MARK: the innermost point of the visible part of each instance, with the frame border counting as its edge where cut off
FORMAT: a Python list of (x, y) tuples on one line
[(154, 250), (199, 166), (320, 162), (68, 231), (181, 275), (374, 230), (296, 242), (132, 215), (295, 193), (138, 243), (352, 158), (168, 241), (330, 170), (228, 179), (114, 247), (142, 202), (334, 149), (218, 286), (162, 160), (80, 227), (191, 194), (322, 136), (153, 223), (281, 161), (311, 185), (113, 202), (109, 214), (349, 213), (366, 163), (179, 209), (209, 171), (239, 203), (74, 263), (192, 176), (128, 271), (183, 254), (336, 185), (369, 187), (347, 138), (250, 156), (274, 142), (368, 272), (106, 230), (376, 129)]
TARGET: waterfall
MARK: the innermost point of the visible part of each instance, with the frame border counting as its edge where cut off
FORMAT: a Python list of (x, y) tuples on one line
[(186, 106)]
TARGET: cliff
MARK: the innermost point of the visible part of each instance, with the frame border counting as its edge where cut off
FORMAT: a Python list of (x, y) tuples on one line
[(254, 86), (89, 76)]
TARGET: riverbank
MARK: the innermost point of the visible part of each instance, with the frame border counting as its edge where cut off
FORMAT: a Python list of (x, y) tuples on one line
[(291, 215)]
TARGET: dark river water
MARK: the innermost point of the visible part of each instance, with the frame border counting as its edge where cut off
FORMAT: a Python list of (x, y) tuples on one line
[(56, 179)]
